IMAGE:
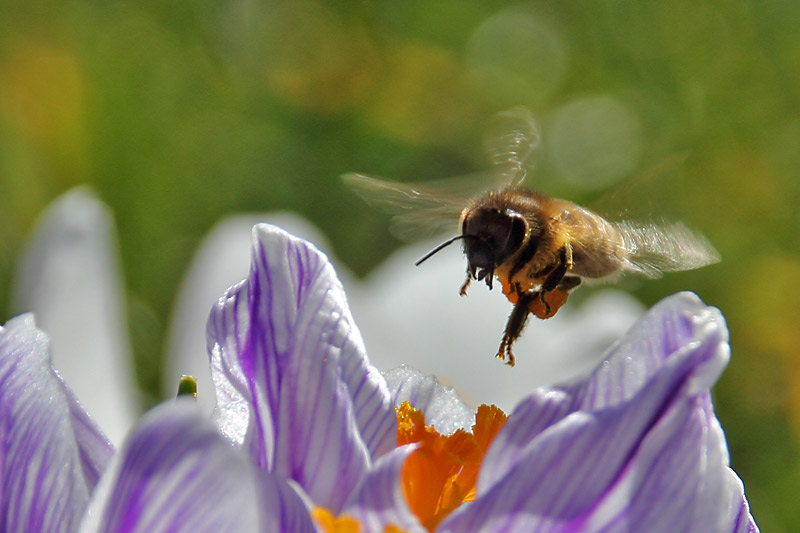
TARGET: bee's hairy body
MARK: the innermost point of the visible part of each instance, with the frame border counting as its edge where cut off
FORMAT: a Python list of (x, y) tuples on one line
[(597, 247), (540, 248)]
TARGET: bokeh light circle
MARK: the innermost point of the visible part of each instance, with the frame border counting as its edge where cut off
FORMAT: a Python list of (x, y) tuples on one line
[(515, 56), (593, 142)]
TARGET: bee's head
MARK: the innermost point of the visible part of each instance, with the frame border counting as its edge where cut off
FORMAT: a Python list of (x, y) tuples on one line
[(491, 236)]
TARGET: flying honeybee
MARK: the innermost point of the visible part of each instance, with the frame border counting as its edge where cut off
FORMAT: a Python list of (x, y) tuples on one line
[(539, 248)]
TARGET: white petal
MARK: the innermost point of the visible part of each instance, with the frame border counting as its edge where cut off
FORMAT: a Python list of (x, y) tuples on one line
[(69, 276), (442, 406)]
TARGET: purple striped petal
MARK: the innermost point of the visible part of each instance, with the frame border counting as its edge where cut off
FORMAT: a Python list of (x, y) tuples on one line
[(52, 453), (176, 473), (636, 447), (658, 351), (379, 501), (293, 382), (679, 479)]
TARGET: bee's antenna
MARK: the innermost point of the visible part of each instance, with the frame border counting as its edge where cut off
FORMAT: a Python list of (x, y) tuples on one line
[(443, 245)]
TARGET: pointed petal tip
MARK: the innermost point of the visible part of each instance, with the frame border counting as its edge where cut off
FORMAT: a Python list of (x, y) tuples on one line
[(672, 326), (689, 305), (287, 346), (266, 232), (69, 275), (685, 321)]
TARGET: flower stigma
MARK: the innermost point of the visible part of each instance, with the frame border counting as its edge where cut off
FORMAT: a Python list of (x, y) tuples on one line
[(441, 473)]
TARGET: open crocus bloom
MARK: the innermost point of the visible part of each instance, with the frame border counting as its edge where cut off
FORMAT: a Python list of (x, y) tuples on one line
[(308, 436)]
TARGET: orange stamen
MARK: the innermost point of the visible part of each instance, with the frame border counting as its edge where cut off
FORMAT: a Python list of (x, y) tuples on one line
[(441, 473)]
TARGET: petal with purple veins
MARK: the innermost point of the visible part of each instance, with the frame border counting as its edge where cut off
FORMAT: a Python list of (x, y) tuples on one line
[(221, 259), (678, 339), (679, 479), (294, 386), (378, 501), (176, 473), (635, 447), (52, 453)]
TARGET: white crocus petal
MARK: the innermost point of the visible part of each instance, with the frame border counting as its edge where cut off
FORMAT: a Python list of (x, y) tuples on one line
[(414, 315), (69, 276), (175, 473), (221, 260), (442, 406)]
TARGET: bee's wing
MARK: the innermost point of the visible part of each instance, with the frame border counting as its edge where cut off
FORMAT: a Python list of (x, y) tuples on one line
[(419, 209), (511, 138), (654, 248), (426, 208), (656, 189)]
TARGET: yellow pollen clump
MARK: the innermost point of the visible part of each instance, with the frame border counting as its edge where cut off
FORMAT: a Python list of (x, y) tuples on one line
[(342, 524), (441, 473), (334, 524)]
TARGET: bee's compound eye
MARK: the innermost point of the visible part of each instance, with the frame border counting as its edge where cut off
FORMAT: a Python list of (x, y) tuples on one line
[(514, 235)]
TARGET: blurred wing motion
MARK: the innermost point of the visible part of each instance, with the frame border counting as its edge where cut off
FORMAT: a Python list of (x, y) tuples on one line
[(419, 209), (424, 209), (511, 138), (665, 247)]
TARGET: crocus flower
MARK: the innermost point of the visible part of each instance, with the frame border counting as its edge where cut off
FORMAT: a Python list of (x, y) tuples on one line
[(310, 436)]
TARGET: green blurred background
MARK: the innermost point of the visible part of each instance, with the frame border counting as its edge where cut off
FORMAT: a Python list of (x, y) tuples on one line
[(178, 113)]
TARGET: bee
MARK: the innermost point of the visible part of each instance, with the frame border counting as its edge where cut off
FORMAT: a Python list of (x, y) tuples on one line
[(537, 247)]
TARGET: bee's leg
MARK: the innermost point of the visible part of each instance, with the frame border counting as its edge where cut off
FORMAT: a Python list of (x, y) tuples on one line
[(555, 277), (569, 283), (524, 257), (516, 321), (563, 265), (463, 290), (470, 275)]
